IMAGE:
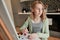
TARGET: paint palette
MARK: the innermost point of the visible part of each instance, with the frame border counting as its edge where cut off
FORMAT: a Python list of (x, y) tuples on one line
[(23, 37)]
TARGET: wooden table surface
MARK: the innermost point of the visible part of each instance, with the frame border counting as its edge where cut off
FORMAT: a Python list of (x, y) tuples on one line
[(53, 38)]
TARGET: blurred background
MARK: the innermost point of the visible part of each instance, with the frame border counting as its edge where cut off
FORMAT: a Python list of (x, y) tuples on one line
[(19, 10)]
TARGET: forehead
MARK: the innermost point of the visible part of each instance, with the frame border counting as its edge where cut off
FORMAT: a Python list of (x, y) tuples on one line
[(39, 6)]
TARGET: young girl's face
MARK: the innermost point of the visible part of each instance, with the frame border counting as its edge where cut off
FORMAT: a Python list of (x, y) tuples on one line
[(38, 9)]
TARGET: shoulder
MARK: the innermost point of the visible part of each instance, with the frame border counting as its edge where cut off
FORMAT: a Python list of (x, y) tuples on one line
[(46, 21), (28, 18)]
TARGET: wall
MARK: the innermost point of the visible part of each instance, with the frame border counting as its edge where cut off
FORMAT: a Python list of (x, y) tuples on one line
[(8, 4), (18, 19)]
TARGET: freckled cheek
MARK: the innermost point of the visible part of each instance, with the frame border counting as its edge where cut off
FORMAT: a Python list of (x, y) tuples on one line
[(37, 11)]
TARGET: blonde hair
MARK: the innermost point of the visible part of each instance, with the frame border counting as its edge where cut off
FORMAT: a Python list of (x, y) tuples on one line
[(43, 16)]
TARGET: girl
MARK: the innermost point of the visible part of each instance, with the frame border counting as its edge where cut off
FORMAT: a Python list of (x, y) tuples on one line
[(37, 22)]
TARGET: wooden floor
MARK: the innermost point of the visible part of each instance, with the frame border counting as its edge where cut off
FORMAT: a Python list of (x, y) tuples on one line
[(53, 38)]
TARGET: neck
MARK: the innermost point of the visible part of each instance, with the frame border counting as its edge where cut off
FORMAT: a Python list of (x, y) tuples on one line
[(35, 18)]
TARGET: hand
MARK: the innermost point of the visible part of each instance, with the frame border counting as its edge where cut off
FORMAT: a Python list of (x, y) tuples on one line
[(33, 36), (25, 31)]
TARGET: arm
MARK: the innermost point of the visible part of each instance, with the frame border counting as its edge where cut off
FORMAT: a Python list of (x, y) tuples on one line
[(46, 30)]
